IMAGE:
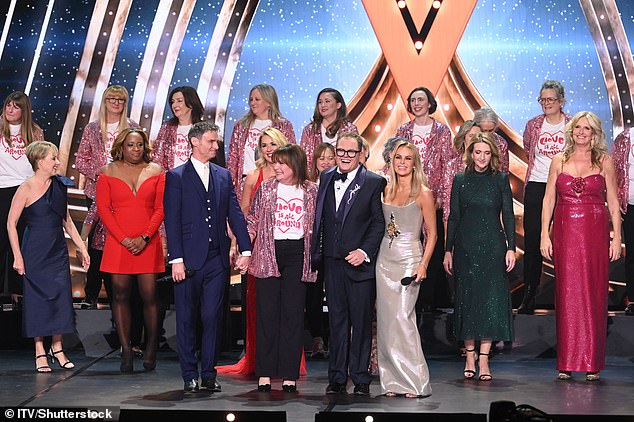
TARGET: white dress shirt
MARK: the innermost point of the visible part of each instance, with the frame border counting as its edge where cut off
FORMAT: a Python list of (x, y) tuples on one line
[(340, 187), (202, 169)]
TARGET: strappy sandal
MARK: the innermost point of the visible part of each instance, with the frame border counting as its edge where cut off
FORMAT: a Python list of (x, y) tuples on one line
[(390, 394), (470, 373), (564, 375), (44, 369), (592, 376), (485, 377), (67, 365)]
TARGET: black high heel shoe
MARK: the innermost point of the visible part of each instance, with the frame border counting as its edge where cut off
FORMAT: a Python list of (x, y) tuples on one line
[(262, 387), (470, 373), (44, 369), (289, 388), (67, 365), (485, 377), (127, 362)]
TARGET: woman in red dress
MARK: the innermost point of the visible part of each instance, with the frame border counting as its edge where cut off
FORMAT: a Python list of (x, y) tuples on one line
[(130, 204), (581, 179)]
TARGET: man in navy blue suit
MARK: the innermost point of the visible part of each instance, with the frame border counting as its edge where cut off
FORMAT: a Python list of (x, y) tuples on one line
[(349, 226), (199, 201)]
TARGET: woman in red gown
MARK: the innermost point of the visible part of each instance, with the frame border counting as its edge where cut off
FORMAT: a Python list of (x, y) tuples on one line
[(270, 140), (581, 179), (130, 204)]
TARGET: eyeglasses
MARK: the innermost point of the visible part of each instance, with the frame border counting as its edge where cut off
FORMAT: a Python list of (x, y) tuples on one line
[(351, 153), (548, 100), (113, 100)]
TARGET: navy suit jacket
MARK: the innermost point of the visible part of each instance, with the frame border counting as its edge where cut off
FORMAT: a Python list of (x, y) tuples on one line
[(363, 222), (185, 206)]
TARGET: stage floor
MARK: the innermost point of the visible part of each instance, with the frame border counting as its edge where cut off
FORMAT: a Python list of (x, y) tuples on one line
[(518, 378)]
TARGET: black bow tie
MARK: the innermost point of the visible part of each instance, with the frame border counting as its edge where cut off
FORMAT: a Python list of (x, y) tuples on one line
[(340, 176)]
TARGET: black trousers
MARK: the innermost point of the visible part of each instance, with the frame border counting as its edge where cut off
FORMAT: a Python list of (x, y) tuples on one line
[(315, 320), (434, 292), (94, 276), (350, 307), (6, 254), (533, 200), (628, 235), (280, 314)]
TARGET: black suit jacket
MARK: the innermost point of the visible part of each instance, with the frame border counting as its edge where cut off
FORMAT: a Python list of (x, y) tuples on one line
[(363, 223)]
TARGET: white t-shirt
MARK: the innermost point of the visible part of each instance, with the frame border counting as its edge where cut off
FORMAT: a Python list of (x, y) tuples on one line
[(289, 213), (113, 132), (14, 166), (325, 138), (630, 160), (551, 141), (251, 144), (421, 135), (182, 150)]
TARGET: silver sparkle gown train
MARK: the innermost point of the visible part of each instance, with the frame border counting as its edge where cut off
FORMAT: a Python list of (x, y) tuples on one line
[(402, 366)]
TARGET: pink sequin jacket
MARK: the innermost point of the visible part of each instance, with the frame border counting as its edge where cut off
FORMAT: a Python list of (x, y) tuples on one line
[(620, 155), (503, 146), (260, 224), (311, 138), (92, 155), (440, 150), (235, 160), (531, 135), (163, 153), (99, 231), (454, 166)]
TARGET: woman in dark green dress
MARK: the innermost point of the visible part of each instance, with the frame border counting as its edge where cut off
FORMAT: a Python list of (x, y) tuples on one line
[(480, 251)]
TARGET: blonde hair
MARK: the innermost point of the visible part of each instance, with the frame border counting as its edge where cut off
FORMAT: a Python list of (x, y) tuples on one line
[(461, 136), (275, 135), (28, 127), (418, 177), (270, 96), (598, 148), (38, 150), (494, 164), (103, 113)]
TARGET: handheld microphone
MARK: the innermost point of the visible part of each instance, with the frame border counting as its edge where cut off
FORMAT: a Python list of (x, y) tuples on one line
[(406, 281), (170, 279)]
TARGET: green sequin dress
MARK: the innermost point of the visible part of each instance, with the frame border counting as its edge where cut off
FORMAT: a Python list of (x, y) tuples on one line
[(479, 242)]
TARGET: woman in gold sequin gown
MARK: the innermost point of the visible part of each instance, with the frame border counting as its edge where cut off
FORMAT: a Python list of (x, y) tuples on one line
[(480, 250)]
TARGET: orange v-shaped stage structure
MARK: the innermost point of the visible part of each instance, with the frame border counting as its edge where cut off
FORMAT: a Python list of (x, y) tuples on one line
[(419, 38)]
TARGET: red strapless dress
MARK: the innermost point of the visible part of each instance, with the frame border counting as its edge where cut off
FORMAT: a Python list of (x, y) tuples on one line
[(581, 241)]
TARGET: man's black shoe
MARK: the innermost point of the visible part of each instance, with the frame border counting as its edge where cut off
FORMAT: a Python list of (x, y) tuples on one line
[(211, 385), (335, 388), (362, 390), (191, 386)]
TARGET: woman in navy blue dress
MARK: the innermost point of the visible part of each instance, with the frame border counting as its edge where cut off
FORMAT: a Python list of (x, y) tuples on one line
[(43, 261)]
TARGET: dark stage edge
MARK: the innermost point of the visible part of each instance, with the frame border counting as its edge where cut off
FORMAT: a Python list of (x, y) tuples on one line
[(524, 380)]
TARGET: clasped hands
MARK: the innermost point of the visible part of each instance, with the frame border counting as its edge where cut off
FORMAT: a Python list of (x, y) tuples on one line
[(134, 245)]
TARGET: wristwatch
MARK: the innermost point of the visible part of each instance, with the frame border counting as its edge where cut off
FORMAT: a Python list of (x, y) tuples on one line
[(145, 238)]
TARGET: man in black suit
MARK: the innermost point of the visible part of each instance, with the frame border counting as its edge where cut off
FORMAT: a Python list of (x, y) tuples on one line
[(348, 229)]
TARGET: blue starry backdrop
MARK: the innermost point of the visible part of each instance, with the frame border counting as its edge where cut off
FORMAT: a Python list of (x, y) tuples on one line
[(509, 48)]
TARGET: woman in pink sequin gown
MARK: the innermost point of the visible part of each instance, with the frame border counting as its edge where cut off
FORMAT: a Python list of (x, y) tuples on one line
[(581, 179)]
